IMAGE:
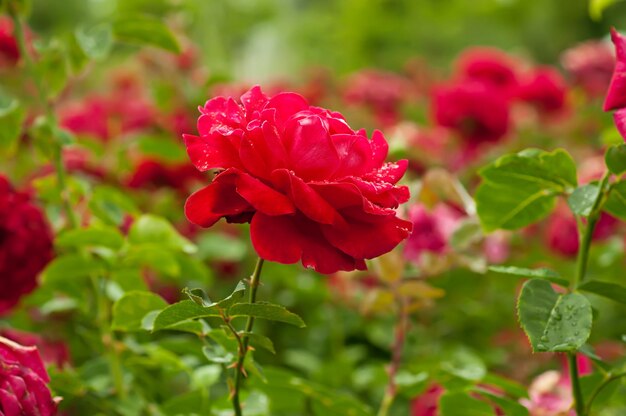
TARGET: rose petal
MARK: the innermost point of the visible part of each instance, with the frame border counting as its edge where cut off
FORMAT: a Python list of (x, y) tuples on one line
[(262, 197), (211, 152), (287, 239), (367, 240), (206, 206), (307, 200), (619, 118), (616, 95), (286, 105), (311, 151)]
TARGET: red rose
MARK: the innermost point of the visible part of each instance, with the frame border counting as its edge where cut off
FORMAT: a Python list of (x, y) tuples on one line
[(616, 96), (25, 245), (490, 66), (545, 89), (156, 174), (23, 378), (431, 230), (312, 188), (476, 111), (53, 352)]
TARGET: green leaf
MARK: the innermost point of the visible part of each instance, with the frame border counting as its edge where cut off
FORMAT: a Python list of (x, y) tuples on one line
[(582, 200), (616, 202), (520, 189), (597, 7), (143, 30), (66, 269), (199, 296), (108, 237), (221, 247), (508, 406), (152, 229), (462, 404), (258, 340), (609, 290), (466, 234), (154, 257), (234, 297), (183, 311), (512, 388), (12, 116), (96, 41), (130, 310), (217, 354), (53, 69), (163, 148), (540, 273), (267, 311), (465, 364), (553, 322), (111, 205), (615, 159)]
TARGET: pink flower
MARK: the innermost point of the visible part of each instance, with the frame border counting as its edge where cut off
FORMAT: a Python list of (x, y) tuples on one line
[(616, 95), (545, 89), (490, 66), (23, 381), (431, 230), (591, 66), (25, 245), (428, 403), (313, 189), (477, 112)]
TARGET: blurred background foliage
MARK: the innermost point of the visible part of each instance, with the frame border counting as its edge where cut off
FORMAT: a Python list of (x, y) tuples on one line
[(257, 40)]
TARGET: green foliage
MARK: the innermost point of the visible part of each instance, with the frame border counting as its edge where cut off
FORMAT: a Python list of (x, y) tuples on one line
[(95, 41), (616, 202), (541, 273), (615, 159), (144, 30), (150, 229), (107, 237), (520, 189), (462, 404), (609, 290), (12, 116), (267, 311), (583, 199), (553, 322), (130, 310)]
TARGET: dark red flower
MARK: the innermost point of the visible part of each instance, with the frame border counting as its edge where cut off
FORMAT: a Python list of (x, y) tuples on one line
[(23, 381), (52, 351), (476, 111), (312, 189), (431, 230), (151, 174), (545, 89), (590, 65), (9, 50), (25, 245), (488, 65)]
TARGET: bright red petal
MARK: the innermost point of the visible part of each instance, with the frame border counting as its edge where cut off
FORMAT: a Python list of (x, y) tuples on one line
[(616, 96), (211, 152)]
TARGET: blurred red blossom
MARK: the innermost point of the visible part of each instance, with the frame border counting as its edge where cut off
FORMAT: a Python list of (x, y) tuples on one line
[(23, 381), (9, 50), (431, 229), (152, 174), (591, 65), (490, 66), (546, 90), (312, 188), (25, 245), (477, 112), (383, 92), (427, 404)]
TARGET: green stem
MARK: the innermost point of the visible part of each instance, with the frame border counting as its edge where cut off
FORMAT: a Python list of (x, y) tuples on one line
[(396, 357), (49, 114), (581, 271), (579, 401), (254, 285), (107, 337)]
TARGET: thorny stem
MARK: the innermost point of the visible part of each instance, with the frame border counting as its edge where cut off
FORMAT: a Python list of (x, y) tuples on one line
[(49, 114), (581, 270), (396, 358), (255, 279)]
